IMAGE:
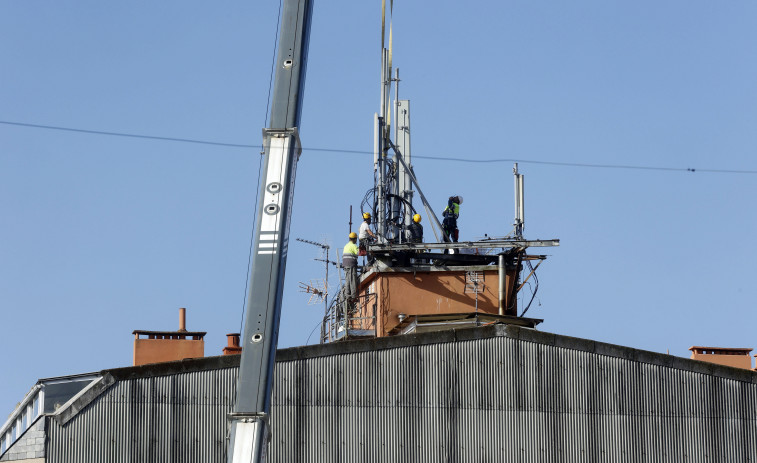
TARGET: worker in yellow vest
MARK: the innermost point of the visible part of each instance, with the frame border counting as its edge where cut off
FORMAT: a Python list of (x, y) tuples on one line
[(349, 262), (450, 214)]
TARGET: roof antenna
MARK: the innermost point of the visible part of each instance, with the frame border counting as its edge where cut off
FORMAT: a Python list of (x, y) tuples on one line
[(519, 203)]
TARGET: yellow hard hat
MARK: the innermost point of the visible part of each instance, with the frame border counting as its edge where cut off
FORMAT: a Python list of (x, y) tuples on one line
[(417, 218), (366, 215), (353, 235)]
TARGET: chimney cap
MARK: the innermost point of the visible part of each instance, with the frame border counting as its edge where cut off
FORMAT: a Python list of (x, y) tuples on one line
[(174, 333), (744, 350)]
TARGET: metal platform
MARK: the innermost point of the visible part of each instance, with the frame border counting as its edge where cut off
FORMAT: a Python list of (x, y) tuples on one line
[(482, 244), (428, 323)]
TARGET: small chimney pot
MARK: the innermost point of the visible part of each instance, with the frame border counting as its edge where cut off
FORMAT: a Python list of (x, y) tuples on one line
[(232, 341), (182, 319)]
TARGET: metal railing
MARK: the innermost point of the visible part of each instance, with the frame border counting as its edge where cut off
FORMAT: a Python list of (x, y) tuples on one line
[(345, 319)]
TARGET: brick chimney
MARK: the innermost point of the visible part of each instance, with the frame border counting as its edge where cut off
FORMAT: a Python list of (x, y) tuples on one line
[(729, 356), (232, 341), (168, 346)]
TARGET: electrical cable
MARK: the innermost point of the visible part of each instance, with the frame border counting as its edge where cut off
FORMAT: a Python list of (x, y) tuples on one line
[(307, 341), (415, 156), (535, 287), (549, 163), (369, 199), (260, 168), (129, 135)]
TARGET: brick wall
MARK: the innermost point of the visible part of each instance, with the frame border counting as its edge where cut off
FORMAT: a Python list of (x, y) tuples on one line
[(30, 445)]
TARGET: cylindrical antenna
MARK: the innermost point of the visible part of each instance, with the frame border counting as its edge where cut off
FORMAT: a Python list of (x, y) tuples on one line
[(396, 103), (385, 80), (380, 193), (381, 148), (376, 144), (519, 202), (515, 197), (522, 200)]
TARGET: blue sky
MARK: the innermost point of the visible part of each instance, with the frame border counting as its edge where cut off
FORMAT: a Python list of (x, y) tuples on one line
[(103, 235)]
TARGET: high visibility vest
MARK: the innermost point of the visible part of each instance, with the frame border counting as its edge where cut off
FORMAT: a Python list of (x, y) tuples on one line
[(349, 255), (455, 211)]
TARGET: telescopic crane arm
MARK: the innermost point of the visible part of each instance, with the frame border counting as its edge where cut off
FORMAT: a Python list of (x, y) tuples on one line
[(250, 426)]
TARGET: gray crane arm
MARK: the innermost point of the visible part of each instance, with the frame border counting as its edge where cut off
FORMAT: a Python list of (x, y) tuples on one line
[(249, 420)]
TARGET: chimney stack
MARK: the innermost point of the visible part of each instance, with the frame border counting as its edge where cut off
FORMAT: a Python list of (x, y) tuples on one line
[(232, 339), (730, 356), (168, 346)]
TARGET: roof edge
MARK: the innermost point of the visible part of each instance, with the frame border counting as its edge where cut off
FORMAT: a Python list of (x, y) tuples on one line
[(466, 334), (86, 396), (521, 333), (179, 366), (630, 353)]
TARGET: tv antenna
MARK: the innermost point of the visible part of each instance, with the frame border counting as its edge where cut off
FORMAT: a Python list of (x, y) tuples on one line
[(474, 284), (318, 292)]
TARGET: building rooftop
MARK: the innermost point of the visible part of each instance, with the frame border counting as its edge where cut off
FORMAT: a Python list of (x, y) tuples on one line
[(496, 370)]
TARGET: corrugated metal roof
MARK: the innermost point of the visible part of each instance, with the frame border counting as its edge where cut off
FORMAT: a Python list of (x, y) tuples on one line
[(489, 394), (170, 418)]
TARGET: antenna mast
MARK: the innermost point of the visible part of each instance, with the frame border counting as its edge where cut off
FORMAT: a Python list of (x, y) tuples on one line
[(519, 203)]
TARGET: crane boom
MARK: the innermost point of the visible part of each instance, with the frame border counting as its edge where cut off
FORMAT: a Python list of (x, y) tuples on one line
[(250, 417)]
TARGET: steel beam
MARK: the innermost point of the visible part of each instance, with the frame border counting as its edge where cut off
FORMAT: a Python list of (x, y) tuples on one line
[(488, 244)]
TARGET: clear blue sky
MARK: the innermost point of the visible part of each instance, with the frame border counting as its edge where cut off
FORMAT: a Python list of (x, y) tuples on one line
[(103, 235)]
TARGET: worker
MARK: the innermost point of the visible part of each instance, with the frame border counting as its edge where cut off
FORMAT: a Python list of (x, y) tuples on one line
[(451, 213), (366, 234), (349, 262), (416, 230)]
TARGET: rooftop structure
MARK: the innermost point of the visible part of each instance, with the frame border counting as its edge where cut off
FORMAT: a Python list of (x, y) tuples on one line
[(232, 344), (732, 356), (496, 393), (167, 346), (410, 275), (46, 397)]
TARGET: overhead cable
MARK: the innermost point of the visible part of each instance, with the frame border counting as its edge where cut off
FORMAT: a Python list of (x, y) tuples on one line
[(130, 135), (415, 156)]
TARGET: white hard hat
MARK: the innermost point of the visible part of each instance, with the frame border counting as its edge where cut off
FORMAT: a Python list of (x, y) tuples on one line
[(460, 198)]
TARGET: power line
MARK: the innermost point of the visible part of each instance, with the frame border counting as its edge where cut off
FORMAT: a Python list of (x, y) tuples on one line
[(430, 158), (548, 163), (130, 135)]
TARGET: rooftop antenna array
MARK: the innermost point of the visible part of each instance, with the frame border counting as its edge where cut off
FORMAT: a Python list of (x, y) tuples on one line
[(394, 254), (394, 179), (318, 291)]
